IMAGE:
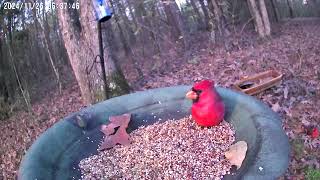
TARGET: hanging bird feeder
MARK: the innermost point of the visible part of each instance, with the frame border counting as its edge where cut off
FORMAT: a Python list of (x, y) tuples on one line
[(103, 13), (102, 10)]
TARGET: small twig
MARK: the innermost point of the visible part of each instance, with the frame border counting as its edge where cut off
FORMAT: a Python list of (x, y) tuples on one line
[(94, 61), (246, 24)]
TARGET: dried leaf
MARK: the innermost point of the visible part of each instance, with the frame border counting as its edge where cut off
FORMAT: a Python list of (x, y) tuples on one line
[(121, 136), (122, 120), (237, 153), (108, 129), (107, 143), (276, 107)]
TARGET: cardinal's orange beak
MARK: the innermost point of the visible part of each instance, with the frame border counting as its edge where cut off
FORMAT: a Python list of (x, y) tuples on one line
[(192, 95)]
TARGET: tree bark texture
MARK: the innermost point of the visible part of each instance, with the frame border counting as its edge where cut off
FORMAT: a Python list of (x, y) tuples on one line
[(126, 21), (213, 6), (126, 46), (265, 17), (132, 14), (275, 10), (81, 42), (196, 10), (205, 12), (260, 16), (48, 46), (290, 6), (175, 20)]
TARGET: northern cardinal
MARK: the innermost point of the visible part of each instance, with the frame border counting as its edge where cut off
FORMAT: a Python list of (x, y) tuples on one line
[(207, 108)]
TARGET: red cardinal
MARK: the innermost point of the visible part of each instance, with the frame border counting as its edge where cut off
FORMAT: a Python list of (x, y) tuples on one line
[(207, 108)]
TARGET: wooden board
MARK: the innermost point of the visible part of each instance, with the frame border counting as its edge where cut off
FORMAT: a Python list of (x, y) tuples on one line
[(259, 82)]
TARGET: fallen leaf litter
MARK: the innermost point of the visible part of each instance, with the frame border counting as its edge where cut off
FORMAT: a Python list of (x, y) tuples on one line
[(174, 149)]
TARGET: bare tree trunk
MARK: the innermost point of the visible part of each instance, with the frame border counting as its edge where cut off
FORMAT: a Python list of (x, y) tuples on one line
[(275, 10), (170, 8), (196, 10), (140, 15), (257, 18), (205, 12), (146, 24), (3, 85), (265, 18), (128, 50), (290, 6), (7, 30), (59, 49), (213, 6), (152, 33), (81, 42), (219, 19), (34, 56), (213, 24), (47, 42), (175, 20), (41, 55), (126, 21), (24, 92), (54, 67), (132, 14)]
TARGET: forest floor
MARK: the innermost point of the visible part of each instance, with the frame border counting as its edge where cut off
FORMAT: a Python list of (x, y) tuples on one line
[(293, 50)]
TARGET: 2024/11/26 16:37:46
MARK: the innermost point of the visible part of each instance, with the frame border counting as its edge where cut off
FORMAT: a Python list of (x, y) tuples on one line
[(39, 5)]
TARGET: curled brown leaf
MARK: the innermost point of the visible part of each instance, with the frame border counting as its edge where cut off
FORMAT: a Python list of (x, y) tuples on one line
[(237, 153)]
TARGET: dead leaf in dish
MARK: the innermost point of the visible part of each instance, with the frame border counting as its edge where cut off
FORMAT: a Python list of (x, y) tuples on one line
[(122, 120), (120, 137), (107, 143), (108, 129), (237, 153)]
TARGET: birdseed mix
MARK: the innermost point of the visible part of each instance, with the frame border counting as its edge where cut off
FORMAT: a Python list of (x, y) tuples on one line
[(174, 149)]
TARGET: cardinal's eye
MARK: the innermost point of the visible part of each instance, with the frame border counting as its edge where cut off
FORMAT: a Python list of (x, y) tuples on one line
[(196, 91)]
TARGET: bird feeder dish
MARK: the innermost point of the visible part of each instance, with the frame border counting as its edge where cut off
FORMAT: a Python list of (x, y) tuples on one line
[(259, 82), (58, 151), (102, 10)]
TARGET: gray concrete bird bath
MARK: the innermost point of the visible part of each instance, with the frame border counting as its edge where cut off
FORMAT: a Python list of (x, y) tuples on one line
[(57, 152)]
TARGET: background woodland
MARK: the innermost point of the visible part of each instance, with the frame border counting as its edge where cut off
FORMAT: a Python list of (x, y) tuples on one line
[(49, 63)]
